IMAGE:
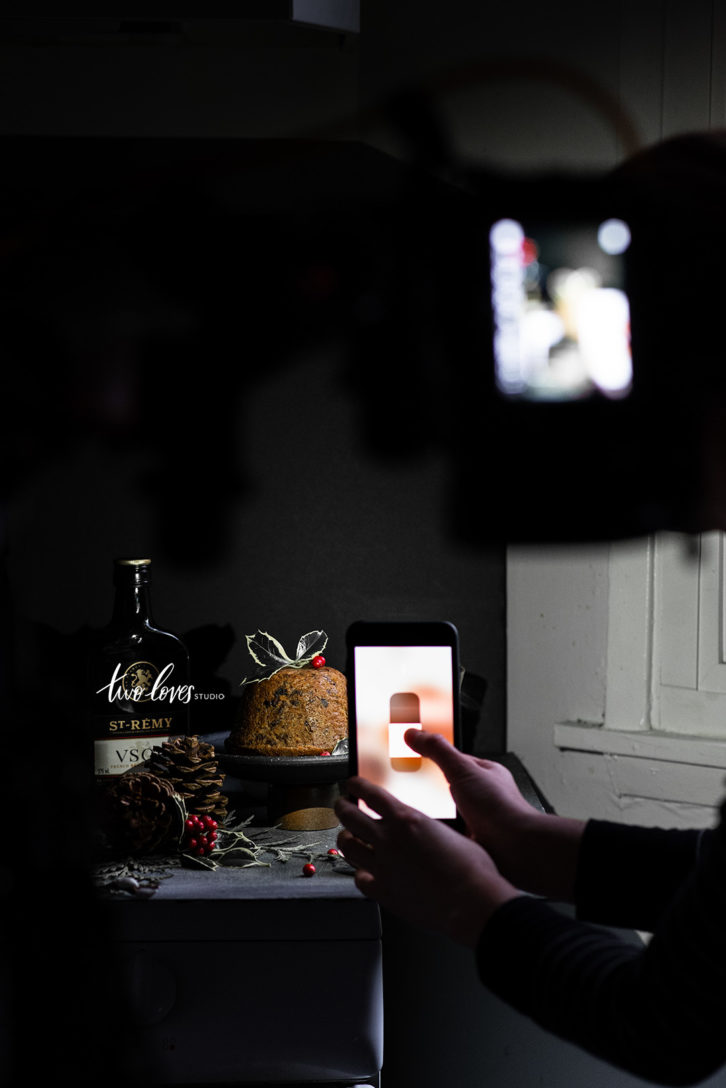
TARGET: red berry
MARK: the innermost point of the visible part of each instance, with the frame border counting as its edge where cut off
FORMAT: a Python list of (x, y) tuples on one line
[(325, 753), (212, 836), (193, 844), (200, 851), (318, 661), (189, 824), (333, 852), (308, 869)]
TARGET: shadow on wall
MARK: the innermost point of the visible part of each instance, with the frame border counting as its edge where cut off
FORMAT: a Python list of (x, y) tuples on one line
[(149, 287)]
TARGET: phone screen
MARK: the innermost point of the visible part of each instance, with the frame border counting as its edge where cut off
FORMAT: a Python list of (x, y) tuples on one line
[(560, 308), (398, 688)]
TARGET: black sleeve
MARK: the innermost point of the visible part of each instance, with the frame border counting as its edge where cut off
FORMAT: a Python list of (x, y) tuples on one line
[(627, 875), (656, 1010)]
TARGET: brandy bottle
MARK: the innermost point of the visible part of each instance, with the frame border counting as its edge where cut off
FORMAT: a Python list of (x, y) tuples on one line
[(139, 678)]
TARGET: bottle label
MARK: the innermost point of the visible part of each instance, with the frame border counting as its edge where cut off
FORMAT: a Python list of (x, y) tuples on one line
[(113, 757)]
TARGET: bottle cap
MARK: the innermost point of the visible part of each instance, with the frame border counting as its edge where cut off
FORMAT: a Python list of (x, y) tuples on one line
[(131, 572)]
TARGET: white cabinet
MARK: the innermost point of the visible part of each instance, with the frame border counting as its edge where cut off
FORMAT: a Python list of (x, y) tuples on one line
[(690, 691), (660, 741), (616, 694), (666, 666)]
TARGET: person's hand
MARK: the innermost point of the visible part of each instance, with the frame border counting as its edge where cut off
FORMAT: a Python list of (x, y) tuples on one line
[(418, 868), (485, 792), (534, 850)]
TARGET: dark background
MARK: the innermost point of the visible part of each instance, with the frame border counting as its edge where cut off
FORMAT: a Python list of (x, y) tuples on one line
[(207, 364)]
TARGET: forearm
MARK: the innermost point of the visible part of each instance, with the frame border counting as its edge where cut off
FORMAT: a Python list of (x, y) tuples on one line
[(540, 853), (615, 874)]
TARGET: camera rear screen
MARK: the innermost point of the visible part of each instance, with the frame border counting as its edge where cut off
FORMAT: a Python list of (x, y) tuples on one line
[(398, 688), (560, 309)]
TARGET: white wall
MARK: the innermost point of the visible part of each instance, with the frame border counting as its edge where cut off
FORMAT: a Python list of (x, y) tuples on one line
[(595, 710)]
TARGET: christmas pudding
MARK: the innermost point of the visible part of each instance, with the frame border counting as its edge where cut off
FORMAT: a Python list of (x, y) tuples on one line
[(290, 706)]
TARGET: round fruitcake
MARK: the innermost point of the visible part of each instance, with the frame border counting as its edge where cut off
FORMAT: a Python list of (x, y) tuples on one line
[(294, 712)]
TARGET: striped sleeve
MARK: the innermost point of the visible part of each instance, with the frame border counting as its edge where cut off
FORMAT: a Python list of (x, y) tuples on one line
[(656, 1010), (627, 875)]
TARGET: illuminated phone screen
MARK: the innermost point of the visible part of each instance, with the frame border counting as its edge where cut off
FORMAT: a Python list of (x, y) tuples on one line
[(397, 688), (560, 309)]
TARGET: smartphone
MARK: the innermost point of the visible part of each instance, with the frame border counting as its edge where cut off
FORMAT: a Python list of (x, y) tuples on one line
[(403, 675)]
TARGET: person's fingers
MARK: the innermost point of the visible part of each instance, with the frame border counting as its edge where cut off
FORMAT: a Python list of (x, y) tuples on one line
[(435, 747), (377, 799), (356, 852), (355, 820), (432, 745), (365, 882)]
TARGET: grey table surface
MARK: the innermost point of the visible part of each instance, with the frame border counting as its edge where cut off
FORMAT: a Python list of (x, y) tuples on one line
[(269, 899)]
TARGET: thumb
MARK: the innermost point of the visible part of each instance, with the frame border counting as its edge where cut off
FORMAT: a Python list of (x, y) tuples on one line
[(435, 747)]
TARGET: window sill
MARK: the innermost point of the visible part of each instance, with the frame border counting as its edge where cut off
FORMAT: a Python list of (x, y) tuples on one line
[(641, 744)]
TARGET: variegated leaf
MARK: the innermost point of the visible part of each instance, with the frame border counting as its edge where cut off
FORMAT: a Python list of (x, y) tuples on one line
[(267, 651), (270, 656), (311, 644), (190, 861), (265, 673)]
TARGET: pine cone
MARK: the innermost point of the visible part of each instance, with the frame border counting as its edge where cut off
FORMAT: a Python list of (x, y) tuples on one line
[(191, 766), (139, 814)]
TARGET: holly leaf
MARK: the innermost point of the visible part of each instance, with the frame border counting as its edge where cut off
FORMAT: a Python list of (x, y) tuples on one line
[(267, 651), (310, 645), (189, 861), (270, 655), (236, 855), (263, 674)]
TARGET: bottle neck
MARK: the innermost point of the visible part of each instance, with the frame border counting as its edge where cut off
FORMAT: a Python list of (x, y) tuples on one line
[(132, 605)]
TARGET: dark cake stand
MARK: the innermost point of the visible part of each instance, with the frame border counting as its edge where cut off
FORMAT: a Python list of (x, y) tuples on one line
[(301, 789)]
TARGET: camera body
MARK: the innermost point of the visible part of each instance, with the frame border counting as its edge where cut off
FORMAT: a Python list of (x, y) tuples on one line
[(557, 337)]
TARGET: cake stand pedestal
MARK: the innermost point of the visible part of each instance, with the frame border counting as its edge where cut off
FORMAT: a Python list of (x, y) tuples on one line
[(302, 790), (303, 808)]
